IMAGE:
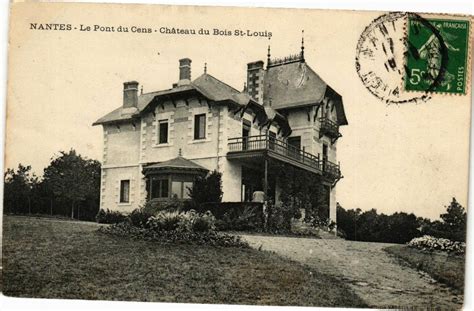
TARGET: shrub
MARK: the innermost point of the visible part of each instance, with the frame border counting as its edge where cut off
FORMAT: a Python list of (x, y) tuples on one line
[(210, 238), (276, 221), (138, 217), (240, 216), (204, 222), (109, 217), (190, 221), (164, 221), (429, 243), (206, 189), (155, 206)]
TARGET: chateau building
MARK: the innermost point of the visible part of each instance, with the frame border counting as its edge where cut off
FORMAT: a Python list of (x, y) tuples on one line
[(156, 143)]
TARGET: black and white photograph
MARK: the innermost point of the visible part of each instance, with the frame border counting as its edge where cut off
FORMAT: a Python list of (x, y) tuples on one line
[(236, 156)]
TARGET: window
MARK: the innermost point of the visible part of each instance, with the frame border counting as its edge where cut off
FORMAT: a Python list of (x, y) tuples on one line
[(180, 189), (163, 132), (159, 188), (125, 191), (177, 189), (246, 125), (186, 187), (271, 139), (200, 126)]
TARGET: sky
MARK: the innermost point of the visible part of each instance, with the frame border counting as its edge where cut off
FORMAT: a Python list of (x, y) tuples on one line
[(411, 157)]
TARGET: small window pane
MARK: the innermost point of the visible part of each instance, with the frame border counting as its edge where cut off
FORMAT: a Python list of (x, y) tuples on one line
[(163, 132), (159, 188), (164, 188), (186, 187), (176, 189), (124, 191)]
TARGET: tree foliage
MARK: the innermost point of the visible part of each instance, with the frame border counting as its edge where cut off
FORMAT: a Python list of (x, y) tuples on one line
[(73, 178), (400, 227), (70, 186), (301, 190), (21, 186), (206, 188)]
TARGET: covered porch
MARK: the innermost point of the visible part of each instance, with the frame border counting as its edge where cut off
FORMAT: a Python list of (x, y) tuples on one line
[(257, 154)]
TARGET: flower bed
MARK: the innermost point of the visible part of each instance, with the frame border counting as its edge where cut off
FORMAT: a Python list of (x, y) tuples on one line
[(211, 238), (174, 228), (430, 243)]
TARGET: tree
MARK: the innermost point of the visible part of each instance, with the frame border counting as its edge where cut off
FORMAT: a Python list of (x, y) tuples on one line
[(454, 221), (73, 178), (20, 186), (206, 189)]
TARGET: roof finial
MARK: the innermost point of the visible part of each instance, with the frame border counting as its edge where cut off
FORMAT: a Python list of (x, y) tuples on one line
[(141, 90), (179, 152), (205, 68), (302, 44), (268, 53), (245, 87)]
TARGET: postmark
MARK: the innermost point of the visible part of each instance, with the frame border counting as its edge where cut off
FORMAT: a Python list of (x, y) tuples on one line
[(423, 60), (381, 55)]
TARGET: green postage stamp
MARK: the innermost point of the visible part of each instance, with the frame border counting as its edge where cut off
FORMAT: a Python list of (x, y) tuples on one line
[(437, 57)]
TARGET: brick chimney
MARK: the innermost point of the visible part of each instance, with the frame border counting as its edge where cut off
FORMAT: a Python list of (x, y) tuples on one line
[(184, 71), (255, 75), (130, 94)]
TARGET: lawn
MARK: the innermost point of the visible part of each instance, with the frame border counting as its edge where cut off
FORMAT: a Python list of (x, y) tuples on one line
[(62, 259), (448, 269)]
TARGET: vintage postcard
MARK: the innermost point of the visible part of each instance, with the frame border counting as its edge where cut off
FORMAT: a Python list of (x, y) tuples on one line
[(224, 155)]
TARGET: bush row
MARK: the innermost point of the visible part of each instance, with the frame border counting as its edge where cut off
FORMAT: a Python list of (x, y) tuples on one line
[(236, 216), (429, 243), (109, 217), (227, 216), (211, 238), (188, 227)]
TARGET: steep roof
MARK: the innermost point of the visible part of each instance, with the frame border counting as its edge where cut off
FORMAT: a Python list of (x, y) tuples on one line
[(121, 114), (207, 85), (294, 84), (214, 89)]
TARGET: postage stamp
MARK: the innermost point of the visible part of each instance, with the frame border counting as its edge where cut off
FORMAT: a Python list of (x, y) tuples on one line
[(424, 58), (402, 57)]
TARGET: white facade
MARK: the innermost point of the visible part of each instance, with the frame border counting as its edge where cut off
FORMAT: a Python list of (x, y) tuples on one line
[(132, 137)]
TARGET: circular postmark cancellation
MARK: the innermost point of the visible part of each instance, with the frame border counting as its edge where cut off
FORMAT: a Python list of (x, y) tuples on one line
[(385, 52)]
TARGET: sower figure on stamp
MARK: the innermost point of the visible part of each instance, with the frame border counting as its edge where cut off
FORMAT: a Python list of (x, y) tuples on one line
[(430, 52)]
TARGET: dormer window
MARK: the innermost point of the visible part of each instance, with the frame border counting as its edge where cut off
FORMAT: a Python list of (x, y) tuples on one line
[(200, 126), (163, 132)]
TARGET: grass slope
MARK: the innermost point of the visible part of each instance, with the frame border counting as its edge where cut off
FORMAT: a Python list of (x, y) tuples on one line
[(448, 269), (57, 259)]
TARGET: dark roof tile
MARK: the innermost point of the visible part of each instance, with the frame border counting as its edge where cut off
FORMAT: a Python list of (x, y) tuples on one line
[(292, 85), (178, 163)]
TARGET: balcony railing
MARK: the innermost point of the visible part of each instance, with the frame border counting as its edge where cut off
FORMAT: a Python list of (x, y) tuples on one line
[(331, 170), (272, 145), (329, 128)]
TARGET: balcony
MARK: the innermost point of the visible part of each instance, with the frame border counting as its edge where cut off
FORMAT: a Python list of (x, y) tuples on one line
[(330, 129), (331, 171), (250, 149)]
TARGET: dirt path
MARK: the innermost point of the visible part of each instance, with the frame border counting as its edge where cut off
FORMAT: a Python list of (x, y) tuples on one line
[(371, 272)]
